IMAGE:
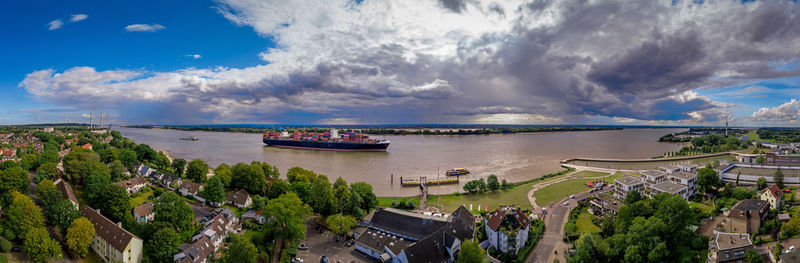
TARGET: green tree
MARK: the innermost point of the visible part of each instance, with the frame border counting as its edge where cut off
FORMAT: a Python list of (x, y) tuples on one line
[(364, 190), (13, 179), (248, 176), (633, 197), (224, 173), (80, 235), (505, 185), (62, 214), (214, 190), (178, 165), (128, 158), (93, 188), (277, 188), (48, 170), (761, 183), (115, 203), (5, 245), (40, 247), (117, 171), (173, 211), (197, 171), (47, 194), (778, 178), (322, 197), (23, 215), (492, 183), (760, 158), (482, 185), (737, 177), (471, 186), (288, 214), (752, 256), (471, 252), (241, 250), (29, 162), (340, 224), (707, 180), (163, 245), (342, 195)]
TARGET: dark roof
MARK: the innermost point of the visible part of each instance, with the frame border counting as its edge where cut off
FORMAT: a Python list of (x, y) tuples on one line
[(464, 216), (113, 234), (432, 248), (507, 216), (377, 240), (791, 257), (190, 186), (198, 251), (238, 197), (144, 209), (755, 207), (775, 191), (66, 190), (403, 223)]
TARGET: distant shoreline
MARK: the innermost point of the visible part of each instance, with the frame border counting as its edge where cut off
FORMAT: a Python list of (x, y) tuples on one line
[(446, 130)]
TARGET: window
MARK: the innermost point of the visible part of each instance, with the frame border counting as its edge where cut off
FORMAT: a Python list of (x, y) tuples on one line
[(727, 255), (738, 253)]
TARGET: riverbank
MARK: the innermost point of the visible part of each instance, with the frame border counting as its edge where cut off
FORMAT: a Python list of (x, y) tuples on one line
[(397, 131)]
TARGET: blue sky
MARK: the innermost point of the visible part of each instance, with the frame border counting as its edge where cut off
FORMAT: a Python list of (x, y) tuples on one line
[(395, 61)]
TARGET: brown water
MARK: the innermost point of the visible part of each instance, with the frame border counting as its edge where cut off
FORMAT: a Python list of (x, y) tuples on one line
[(515, 157)]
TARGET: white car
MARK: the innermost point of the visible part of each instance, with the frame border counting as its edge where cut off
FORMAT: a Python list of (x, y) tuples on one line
[(572, 197), (297, 260), (566, 203)]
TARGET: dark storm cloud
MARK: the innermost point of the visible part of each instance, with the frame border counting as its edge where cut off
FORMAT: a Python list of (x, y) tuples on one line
[(454, 5)]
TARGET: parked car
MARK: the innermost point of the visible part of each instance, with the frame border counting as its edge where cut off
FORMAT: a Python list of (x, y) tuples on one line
[(297, 260), (303, 246), (566, 203), (349, 243), (572, 197)]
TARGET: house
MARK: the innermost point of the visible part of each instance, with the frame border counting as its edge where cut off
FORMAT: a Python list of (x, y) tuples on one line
[(66, 191), (47, 129), (605, 204), (132, 185), (254, 215), (111, 241), (669, 188), (143, 170), (773, 195), (729, 247), (688, 167), (189, 188), (144, 213), (670, 169), (773, 158), (400, 236), (686, 179), (652, 177), (624, 185), (793, 256), (170, 181), (507, 229), (784, 217), (240, 198), (87, 146), (197, 252), (747, 216)]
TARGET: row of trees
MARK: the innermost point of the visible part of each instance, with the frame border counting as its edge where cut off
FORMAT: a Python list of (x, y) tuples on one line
[(491, 184)]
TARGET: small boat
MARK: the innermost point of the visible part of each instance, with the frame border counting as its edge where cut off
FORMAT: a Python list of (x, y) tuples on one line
[(189, 138), (456, 172)]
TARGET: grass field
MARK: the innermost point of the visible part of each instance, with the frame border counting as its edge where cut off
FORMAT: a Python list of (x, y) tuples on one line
[(584, 223), (587, 173), (765, 171), (141, 198), (704, 207), (557, 191)]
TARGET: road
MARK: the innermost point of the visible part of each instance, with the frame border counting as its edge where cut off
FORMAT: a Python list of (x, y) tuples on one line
[(554, 222)]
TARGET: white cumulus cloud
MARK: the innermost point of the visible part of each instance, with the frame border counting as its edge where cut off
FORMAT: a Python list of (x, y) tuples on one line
[(144, 28), (194, 56), (55, 24), (78, 17), (789, 111)]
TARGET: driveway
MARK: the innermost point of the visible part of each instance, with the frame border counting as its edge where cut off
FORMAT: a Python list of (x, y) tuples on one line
[(324, 244), (199, 210)]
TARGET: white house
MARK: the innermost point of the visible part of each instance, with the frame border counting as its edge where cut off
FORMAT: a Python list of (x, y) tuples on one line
[(507, 229)]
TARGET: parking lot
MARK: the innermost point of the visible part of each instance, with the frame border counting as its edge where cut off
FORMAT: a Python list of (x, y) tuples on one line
[(324, 244)]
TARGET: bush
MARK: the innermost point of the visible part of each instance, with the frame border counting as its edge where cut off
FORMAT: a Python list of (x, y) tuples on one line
[(5, 245), (411, 204), (9, 234)]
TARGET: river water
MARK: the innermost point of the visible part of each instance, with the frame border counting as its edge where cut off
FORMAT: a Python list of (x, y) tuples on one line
[(515, 157)]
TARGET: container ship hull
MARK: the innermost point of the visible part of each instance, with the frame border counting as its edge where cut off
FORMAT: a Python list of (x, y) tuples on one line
[(329, 146)]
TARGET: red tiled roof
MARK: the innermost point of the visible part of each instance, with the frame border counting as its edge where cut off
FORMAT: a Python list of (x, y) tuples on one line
[(87, 146), (775, 191), (497, 217)]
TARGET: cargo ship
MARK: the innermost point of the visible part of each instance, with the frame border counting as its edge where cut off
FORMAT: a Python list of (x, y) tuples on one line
[(189, 138), (350, 141), (456, 172)]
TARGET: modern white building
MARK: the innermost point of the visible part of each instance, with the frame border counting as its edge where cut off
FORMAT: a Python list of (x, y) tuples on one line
[(652, 177), (624, 185), (686, 179)]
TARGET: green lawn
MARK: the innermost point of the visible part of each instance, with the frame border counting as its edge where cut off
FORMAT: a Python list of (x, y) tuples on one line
[(557, 191), (3, 258), (753, 135), (704, 207), (141, 198), (587, 173), (584, 223)]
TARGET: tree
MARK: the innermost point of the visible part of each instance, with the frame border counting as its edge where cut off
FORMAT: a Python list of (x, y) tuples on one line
[(322, 197), (632, 197), (760, 158), (471, 252), (214, 190), (761, 183), (197, 171), (241, 250), (505, 185), (364, 190), (248, 176), (5, 245), (23, 215), (343, 196), (707, 179), (62, 214), (128, 158), (172, 210), (752, 256), (224, 173), (481, 185), (13, 179), (117, 171), (47, 193), (48, 170), (471, 186), (492, 183), (737, 177), (93, 188), (80, 235), (115, 202), (40, 247), (178, 165), (287, 213), (277, 188), (778, 178), (340, 224), (29, 162), (163, 245)]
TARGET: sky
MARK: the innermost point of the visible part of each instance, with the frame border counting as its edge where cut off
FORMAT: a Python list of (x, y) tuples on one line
[(595, 62)]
